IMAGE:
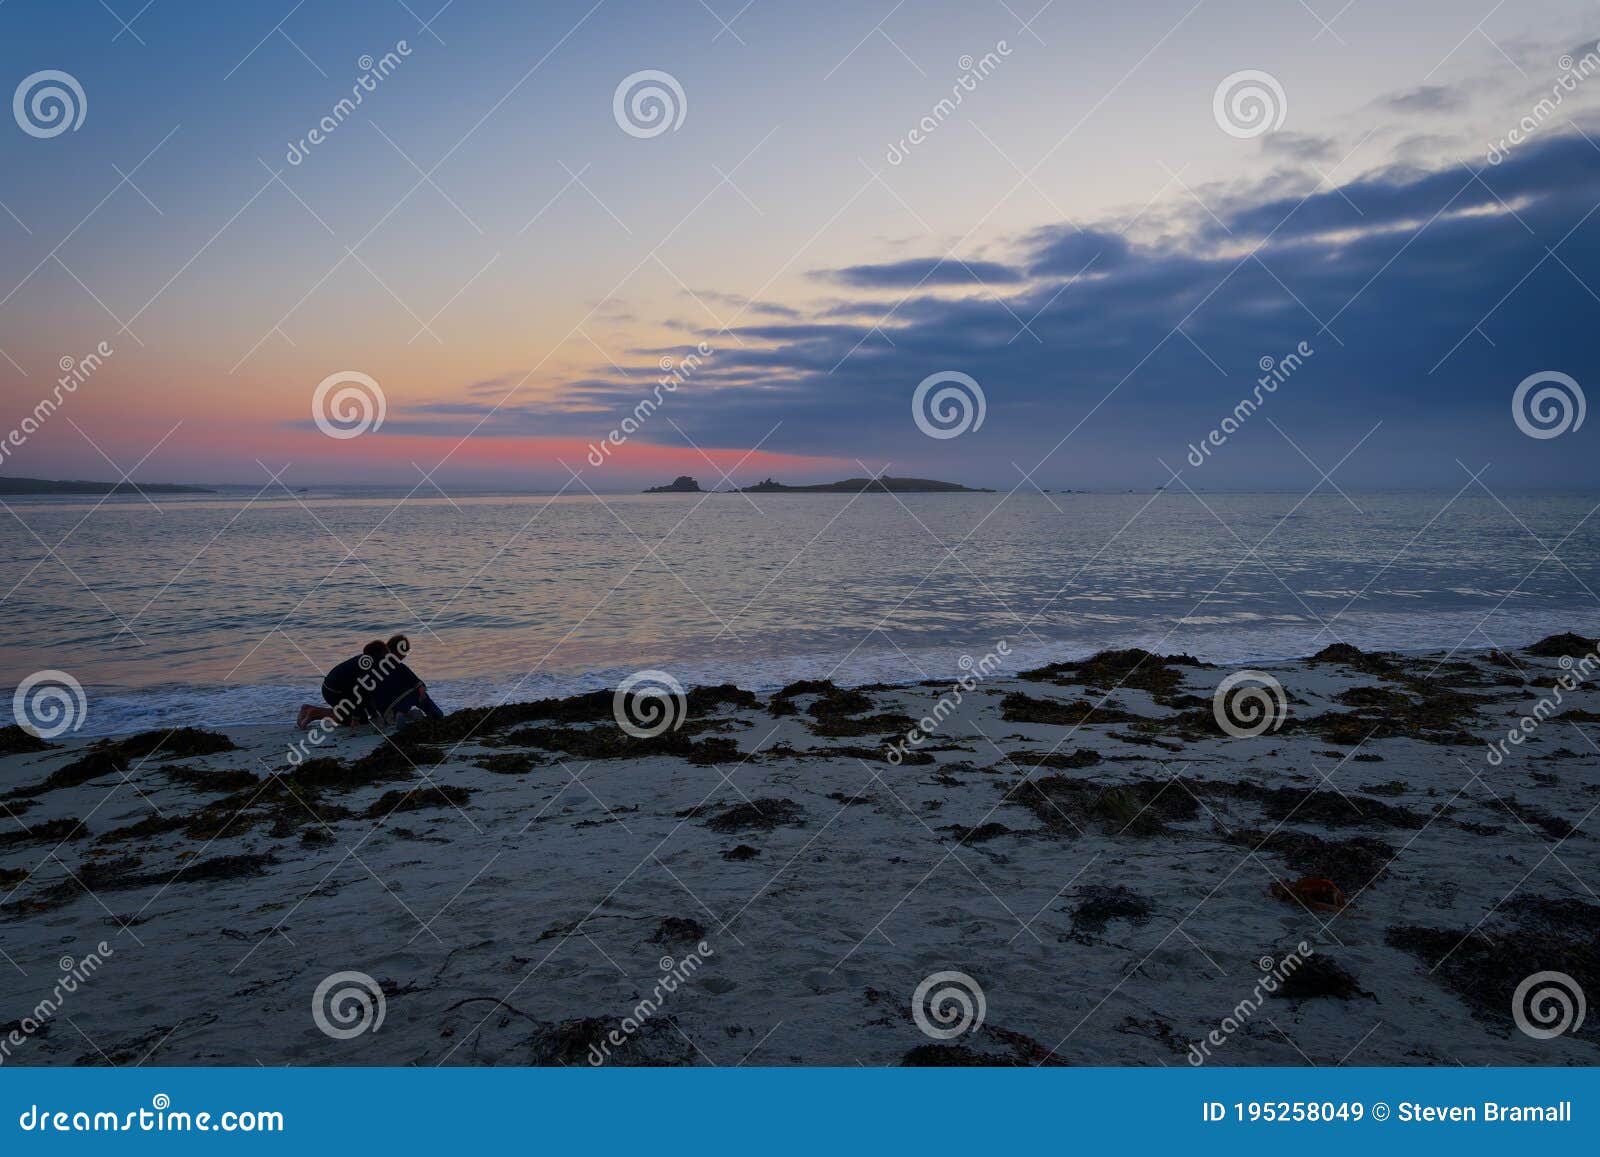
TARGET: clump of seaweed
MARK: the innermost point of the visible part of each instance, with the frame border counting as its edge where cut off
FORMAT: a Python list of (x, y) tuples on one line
[(741, 852), (1486, 965), (1141, 808), (117, 756), (757, 815), (14, 740), (930, 1056), (1564, 645), (508, 762), (978, 835), (1318, 976), (613, 743), (678, 930), (1160, 675), (1351, 864), (51, 831), (418, 798), (1019, 707), (1099, 904)]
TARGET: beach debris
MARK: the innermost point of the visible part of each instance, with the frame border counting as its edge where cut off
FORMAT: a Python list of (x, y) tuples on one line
[(930, 1056), (611, 742), (207, 779), (741, 852), (1318, 893), (758, 815), (1027, 761)]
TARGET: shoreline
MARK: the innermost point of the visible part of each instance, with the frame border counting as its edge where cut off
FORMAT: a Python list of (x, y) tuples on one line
[(1087, 844), (179, 704)]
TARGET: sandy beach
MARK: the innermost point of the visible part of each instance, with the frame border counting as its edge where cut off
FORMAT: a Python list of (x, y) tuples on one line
[(1113, 871)]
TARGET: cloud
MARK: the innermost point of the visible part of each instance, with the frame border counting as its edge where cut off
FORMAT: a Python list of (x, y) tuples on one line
[(1300, 146), (1427, 98), (919, 271), (1425, 295)]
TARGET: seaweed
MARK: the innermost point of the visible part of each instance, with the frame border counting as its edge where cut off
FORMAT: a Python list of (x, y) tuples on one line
[(508, 762), (1352, 864), (741, 852), (1019, 707), (1485, 966), (1141, 808), (1100, 904), (51, 831), (1318, 976), (1134, 667), (111, 757), (15, 740), (678, 930), (1565, 645), (978, 835), (757, 815), (599, 743), (416, 799)]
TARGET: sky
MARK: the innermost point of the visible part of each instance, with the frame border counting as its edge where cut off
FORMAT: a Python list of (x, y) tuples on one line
[(509, 252)]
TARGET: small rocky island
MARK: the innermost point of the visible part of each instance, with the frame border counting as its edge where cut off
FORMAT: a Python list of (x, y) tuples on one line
[(682, 484), (881, 485)]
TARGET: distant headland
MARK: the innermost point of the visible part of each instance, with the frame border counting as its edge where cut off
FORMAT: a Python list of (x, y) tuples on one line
[(684, 484), (15, 486)]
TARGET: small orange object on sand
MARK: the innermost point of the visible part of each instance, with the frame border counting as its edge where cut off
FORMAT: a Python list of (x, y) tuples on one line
[(1315, 892)]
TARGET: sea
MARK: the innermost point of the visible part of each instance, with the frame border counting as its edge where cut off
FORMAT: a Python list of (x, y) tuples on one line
[(226, 608)]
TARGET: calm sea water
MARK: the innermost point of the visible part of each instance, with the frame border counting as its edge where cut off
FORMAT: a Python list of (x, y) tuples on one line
[(223, 609)]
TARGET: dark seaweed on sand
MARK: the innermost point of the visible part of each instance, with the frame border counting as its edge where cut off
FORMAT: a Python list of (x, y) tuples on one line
[(51, 831), (1141, 808), (113, 757), (1563, 645), (1099, 904), (756, 815), (1136, 668), (1019, 707), (1319, 976), (418, 798), (591, 707), (1486, 964), (15, 741), (611, 742), (1352, 864)]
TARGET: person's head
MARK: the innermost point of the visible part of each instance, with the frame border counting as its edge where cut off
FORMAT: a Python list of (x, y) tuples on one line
[(398, 646), (374, 652)]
